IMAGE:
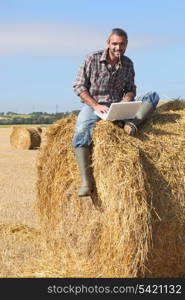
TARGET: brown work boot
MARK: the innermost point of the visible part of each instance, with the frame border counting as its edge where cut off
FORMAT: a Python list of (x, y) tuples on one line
[(144, 111)]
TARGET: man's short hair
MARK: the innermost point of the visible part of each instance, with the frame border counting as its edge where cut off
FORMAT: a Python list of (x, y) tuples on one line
[(119, 32)]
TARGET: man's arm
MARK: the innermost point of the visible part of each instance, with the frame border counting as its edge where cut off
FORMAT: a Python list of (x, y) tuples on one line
[(130, 88), (82, 85), (89, 100)]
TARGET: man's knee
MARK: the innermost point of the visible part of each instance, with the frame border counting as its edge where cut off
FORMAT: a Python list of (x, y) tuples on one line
[(80, 128), (82, 138), (151, 97)]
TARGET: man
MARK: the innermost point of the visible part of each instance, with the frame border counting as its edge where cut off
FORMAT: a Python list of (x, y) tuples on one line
[(105, 77)]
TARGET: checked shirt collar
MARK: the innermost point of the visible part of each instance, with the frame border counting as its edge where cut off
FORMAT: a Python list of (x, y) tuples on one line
[(103, 59)]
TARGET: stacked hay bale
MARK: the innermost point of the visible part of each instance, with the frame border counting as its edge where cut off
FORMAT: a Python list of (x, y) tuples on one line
[(39, 129), (25, 138), (133, 225)]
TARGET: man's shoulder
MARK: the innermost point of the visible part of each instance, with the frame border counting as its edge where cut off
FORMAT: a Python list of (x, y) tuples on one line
[(127, 59), (94, 54)]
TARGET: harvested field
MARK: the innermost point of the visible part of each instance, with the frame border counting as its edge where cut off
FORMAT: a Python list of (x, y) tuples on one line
[(22, 248), (17, 182)]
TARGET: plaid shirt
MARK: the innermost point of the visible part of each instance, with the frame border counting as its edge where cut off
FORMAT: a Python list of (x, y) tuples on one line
[(104, 82)]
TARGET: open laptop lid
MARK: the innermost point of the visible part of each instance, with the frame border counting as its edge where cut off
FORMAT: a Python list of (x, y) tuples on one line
[(121, 111)]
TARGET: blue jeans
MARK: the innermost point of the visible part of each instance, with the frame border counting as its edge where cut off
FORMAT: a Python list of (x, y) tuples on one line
[(87, 119)]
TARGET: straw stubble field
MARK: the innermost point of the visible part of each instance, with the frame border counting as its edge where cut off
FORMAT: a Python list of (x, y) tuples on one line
[(22, 248)]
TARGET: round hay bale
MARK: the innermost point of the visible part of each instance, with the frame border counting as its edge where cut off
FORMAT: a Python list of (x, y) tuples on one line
[(133, 225), (39, 129), (25, 138)]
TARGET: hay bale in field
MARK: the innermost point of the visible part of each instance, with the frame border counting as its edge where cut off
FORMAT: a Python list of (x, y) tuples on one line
[(39, 129), (25, 138), (135, 228)]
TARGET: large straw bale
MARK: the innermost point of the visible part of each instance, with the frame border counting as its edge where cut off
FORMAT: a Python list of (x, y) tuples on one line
[(133, 225), (25, 138)]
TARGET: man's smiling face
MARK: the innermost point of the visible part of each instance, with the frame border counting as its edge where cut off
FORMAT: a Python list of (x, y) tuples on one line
[(117, 46)]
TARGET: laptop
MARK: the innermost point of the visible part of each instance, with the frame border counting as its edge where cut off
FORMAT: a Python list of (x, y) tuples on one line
[(120, 111)]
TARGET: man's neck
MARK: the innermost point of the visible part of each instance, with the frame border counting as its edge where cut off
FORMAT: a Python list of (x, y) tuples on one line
[(112, 60)]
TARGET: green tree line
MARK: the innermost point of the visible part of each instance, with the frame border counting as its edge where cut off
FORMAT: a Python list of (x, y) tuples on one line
[(12, 118)]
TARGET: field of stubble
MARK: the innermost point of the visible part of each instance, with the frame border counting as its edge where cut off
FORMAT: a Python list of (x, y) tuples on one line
[(22, 247)]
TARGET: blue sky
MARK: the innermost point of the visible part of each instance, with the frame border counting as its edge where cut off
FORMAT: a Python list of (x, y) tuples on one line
[(43, 43)]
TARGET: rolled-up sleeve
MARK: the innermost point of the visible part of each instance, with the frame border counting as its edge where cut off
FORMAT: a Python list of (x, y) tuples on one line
[(130, 85), (82, 82)]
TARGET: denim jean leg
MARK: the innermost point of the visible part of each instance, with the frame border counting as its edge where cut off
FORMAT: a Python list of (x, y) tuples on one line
[(84, 127), (151, 97)]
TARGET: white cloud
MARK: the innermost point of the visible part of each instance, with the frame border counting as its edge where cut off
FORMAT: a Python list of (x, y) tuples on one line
[(47, 38)]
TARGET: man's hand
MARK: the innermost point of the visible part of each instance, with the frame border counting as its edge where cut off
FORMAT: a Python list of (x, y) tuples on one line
[(89, 100), (101, 108), (128, 97)]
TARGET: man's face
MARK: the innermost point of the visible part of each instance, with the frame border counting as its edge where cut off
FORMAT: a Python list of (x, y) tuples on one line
[(117, 45)]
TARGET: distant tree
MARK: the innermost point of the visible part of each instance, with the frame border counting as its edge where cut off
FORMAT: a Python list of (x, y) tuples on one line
[(11, 113), (37, 113)]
